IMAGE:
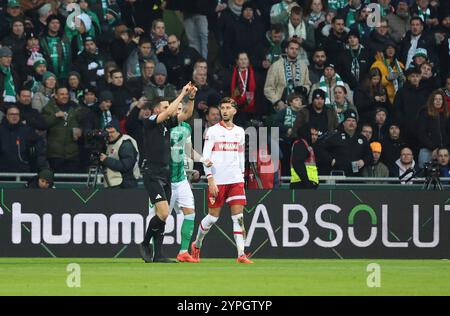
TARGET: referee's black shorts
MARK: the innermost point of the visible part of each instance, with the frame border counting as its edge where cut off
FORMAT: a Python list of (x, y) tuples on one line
[(157, 183)]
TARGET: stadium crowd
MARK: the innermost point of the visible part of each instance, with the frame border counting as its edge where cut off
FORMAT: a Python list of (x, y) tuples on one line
[(375, 99)]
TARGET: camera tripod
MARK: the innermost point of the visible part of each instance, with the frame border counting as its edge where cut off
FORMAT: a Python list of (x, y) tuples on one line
[(432, 182), (93, 172)]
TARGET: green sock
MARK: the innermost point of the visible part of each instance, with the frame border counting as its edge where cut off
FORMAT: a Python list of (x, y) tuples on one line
[(187, 229)]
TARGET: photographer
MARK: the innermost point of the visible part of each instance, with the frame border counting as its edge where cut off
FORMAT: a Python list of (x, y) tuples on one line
[(121, 161)]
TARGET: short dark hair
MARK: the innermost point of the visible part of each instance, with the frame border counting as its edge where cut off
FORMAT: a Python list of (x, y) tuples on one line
[(212, 107), (292, 41), (61, 86), (228, 100), (12, 106), (115, 70), (319, 49), (145, 40), (24, 88), (277, 28), (156, 101), (337, 17), (416, 18), (297, 10)]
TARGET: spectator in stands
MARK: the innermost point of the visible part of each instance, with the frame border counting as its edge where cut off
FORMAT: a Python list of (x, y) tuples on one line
[(360, 25), (137, 85), (158, 36), (335, 43), (433, 127), (35, 82), (380, 124), (138, 15), (379, 38), (346, 150), (405, 166), (42, 14), (442, 36), (122, 95), (356, 61), (392, 145), (315, 13), (96, 26), (75, 87), (247, 35), (341, 102), (298, 29), (25, 59), (56, 48), (420, 57), (285, 75), (399, 21), (367, 131), (285, 121), (415, 38), (17, 143), (195, 19), (426, 12), (159, 87), (392, 78), (179, 61), (429, 80), (28, 115), (244, 86), (370, 95), (328, 82), (99, 116), (316, 68), (77, 27), (90, 63), (408, 102), (350, 11), (123, 44), (136, 60), (443, 158), (13, 11), (89, 100), (376, 169), (63, 118), (16, 39), (279, 13), (44, 180), (45, 92), (323, 119), (206, 95), (273, 46), (337, 4), (9, 79)]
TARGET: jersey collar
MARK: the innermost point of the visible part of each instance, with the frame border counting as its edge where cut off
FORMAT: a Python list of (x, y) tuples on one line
[(223, 125)]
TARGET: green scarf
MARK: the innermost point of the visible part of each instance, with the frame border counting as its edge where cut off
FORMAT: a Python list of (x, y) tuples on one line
[(59, 56), (290, 117), (106, 118), (424, 15), (292, 82), (398, 83), (344, 107), (350, 19), (355, 63), (323, 86), (9, 93)]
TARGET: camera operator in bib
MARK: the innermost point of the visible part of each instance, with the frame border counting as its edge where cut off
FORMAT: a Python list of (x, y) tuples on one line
[(120, 163)]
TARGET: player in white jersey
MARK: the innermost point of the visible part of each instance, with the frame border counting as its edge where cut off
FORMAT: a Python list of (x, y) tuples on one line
[(224, 147)]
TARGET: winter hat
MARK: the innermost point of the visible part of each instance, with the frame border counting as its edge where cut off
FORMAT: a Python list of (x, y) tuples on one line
[(247, 5), (88, 38), (376, 147), (47, 75), (45, 9), (328, 64), (318, 93), (114, 10), (380, 109), (13, 4), (72, 20), (39, 61), (105, 95), (350, 114), (160, 69), (51, 18), (74, 73), (5, 51), (46, 174), (421, 52)]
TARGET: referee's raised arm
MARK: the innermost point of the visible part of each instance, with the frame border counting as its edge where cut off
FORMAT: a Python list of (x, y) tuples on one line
[(174, 105)]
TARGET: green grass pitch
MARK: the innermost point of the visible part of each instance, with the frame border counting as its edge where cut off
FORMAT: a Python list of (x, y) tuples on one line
[(220, 277)]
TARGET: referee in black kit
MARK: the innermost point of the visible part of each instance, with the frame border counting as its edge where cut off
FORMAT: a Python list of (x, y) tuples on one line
[(157, 167)]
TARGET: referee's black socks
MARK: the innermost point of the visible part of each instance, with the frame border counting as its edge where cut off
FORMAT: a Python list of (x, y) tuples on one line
[(155, 229)]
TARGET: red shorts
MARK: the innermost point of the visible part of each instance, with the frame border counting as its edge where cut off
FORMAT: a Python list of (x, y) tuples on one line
[(233, 194)]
